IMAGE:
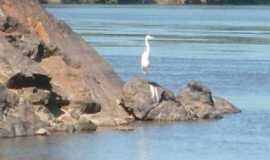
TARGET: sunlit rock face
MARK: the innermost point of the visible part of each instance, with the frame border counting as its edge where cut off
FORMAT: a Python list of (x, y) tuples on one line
[(53, 74)]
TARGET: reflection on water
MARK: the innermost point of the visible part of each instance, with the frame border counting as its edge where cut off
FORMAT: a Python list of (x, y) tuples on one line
[(226, 47)]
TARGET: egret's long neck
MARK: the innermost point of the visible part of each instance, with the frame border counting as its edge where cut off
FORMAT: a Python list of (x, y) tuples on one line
[(147, 46)]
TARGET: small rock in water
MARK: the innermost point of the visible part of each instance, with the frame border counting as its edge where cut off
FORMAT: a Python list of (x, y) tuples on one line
[(42, 132)]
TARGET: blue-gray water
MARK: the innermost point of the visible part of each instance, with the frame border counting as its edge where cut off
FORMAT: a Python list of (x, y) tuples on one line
[(227, 48)]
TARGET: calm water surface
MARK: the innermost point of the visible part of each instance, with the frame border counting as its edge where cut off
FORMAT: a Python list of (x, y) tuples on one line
[(227, 48)]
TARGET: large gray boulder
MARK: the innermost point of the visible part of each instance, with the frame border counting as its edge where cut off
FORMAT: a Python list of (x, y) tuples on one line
[(195, 92), (138, 99), (197, 99), (193, 102)]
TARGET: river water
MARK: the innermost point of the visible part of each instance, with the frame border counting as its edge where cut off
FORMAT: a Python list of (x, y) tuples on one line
[(226, 47)]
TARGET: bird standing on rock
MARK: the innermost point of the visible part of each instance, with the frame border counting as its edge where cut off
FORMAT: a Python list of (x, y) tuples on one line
[(145, 58), (145, 64)]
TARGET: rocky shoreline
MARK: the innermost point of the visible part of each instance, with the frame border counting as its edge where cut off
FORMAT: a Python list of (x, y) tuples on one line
[(51, 80)]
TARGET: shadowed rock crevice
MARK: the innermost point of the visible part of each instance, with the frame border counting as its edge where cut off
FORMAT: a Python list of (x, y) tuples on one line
[(41, 51), (21, 80), (9, 24), (86, 107), (47, 98)]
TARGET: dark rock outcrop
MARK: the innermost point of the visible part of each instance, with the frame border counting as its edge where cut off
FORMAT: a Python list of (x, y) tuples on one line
[(193, 102)]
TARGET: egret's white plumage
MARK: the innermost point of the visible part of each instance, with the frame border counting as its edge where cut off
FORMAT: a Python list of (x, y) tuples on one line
[(145, 64), (145, 61)]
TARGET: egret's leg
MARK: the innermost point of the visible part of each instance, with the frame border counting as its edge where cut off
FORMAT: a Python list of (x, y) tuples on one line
[(144, 70)]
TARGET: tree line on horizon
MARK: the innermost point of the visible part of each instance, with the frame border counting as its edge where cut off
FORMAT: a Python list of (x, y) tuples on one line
[(239, 2)]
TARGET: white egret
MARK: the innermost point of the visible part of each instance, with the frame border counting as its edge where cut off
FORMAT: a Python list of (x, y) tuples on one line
[(145, 61)]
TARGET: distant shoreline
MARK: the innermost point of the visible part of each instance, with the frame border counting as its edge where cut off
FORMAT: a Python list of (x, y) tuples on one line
[(161, 2)]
